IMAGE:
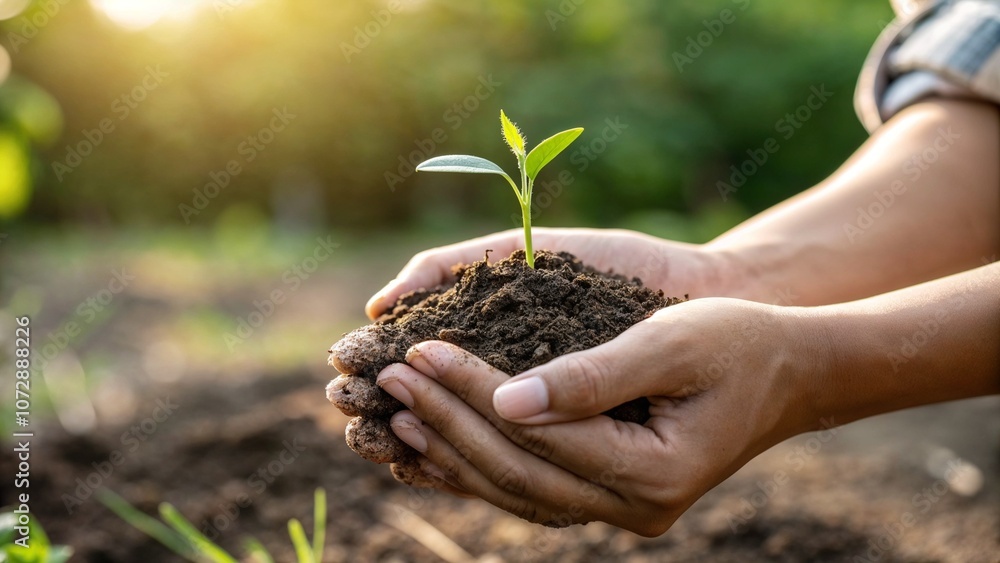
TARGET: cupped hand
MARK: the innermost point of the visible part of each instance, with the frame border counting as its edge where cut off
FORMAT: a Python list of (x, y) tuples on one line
[(725, 381), (676, 268)]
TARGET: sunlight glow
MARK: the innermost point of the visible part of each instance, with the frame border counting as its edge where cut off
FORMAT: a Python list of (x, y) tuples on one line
[(11, 8), (140, 14), (4, 64)]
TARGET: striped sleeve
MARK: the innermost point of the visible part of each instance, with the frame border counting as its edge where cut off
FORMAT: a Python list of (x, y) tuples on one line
[(949, 49)]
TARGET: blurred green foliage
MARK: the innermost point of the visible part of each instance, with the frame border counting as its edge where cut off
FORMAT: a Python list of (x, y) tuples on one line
[(29, 117), (366, 85)]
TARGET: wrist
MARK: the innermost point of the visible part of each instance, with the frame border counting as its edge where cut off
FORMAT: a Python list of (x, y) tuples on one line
[(806, 383), (850, 377), (746, 271)]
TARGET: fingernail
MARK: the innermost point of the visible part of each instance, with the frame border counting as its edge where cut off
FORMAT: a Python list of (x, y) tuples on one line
[(408, 432), (433, 470), (429, 358), (521, 399), (391, 385)]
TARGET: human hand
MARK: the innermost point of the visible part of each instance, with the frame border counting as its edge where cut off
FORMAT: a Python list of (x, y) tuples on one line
[(674, 267), (723, 377)]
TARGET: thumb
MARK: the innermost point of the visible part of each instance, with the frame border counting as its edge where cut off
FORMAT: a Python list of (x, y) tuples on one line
[(587, 383)]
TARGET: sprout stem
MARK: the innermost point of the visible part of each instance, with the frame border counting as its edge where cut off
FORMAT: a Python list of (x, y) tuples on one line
[(529, 254)]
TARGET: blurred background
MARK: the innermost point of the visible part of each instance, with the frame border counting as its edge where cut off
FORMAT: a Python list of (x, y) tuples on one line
[(167, 166), (367, 84)]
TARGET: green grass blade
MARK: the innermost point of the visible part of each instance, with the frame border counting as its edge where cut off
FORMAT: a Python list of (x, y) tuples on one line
[(549, 149), (148, 525), (319, 523), (512, 135), (257, 552), (302, 550), (204, 545)]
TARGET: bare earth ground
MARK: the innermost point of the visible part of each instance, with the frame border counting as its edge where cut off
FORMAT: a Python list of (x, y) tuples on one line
[(255, 422)]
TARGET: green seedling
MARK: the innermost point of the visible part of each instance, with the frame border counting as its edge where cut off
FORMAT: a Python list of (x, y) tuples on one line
[(180, 536), (529, 163), (36, 550)]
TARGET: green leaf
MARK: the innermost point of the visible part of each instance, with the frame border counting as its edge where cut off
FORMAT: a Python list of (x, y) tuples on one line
[(39, 550), (60, 554), (467, 164), (256, 552), (302, 550), (511, 134), (8, 521), (460, 163), (549, 149), (319, 523), (148, 525), (204, 545)]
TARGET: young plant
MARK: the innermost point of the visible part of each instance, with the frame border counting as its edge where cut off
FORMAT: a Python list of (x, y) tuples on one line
[(529, 163), (37, 550), (181, 537)]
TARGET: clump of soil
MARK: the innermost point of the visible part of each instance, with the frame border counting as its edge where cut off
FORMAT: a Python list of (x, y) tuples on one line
[(512, 316)]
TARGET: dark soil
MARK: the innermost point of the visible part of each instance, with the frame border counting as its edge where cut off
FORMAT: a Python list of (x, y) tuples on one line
[(512, 316), (226, 442)]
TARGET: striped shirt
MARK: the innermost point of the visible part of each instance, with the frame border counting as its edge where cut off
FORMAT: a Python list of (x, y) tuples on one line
[(946, 48)]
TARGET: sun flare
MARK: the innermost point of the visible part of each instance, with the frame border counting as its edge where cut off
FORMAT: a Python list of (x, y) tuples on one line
[(140, 14)]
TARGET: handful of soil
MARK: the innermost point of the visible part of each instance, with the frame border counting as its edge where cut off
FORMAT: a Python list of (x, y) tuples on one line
[(512, 316)]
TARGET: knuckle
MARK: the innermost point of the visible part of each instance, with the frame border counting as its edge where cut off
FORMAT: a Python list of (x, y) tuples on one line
[(532, 439), (512, 479), (435, 412), (522, 508), (586, 380), (460, 377)]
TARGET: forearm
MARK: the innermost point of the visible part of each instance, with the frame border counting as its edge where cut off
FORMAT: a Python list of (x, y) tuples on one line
[(928, 188), (933, 342)]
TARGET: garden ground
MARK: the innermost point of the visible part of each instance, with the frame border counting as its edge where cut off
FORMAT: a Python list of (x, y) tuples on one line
[(161, 396)]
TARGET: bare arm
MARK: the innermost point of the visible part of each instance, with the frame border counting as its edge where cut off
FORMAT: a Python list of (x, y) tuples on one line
[(928, 188), (726, 380), (933, 342), (928, 185)]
